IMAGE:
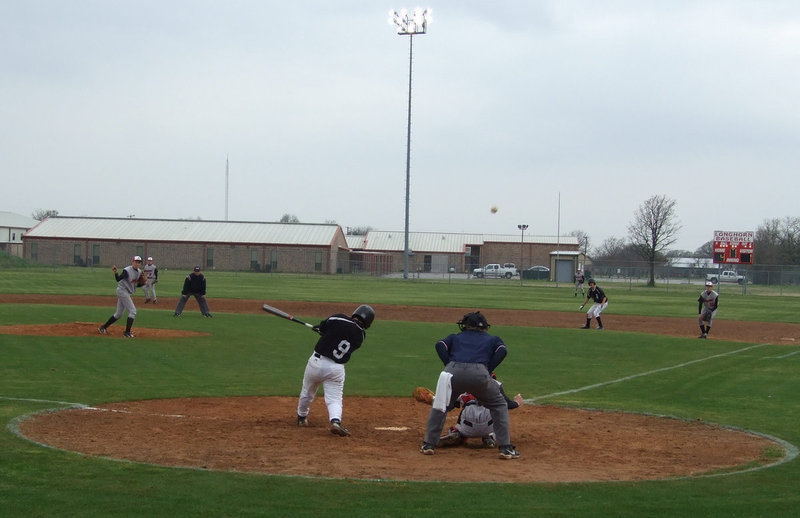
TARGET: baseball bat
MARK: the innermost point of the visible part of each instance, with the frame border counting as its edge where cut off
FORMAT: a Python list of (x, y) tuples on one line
[(280, 313)]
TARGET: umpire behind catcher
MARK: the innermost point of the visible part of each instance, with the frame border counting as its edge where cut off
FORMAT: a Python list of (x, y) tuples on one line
[(469, 357)]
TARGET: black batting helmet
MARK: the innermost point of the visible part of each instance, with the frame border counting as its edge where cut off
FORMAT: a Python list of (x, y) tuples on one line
[(365, 314), (473, 321)]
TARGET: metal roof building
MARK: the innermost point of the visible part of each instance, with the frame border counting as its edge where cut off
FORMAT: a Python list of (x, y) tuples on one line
[(12, 227), (279, 247), (229, 245)]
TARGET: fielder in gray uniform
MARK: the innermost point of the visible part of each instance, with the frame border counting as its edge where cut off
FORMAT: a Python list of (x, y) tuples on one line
[(126, 285), (151, 274), (469, 357), (707, 305)]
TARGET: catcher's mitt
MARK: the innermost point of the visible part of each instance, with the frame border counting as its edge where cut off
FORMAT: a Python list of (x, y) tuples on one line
[(423, 395)]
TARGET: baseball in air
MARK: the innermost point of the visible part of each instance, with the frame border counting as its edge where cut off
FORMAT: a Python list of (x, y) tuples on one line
[(493, 210)]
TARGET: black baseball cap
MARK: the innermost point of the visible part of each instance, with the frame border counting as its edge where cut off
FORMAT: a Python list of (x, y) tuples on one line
[(197, 268)]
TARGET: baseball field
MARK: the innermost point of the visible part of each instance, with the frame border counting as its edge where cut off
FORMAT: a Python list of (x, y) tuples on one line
[(195, 416)]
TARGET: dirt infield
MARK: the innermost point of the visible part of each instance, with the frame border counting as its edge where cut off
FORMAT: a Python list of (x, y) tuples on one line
[(750, 332), (258, 434)]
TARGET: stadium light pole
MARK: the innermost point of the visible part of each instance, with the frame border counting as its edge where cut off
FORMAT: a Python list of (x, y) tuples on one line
[(409, 24), (522, 229)]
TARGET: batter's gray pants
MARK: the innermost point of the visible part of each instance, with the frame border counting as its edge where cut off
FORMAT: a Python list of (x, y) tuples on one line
[(475, 379)]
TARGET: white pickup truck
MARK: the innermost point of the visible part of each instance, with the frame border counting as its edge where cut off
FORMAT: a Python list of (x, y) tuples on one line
[(726, 276), (494, 270)]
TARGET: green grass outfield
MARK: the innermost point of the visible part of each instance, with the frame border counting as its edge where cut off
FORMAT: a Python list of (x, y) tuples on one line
[(731, 383)]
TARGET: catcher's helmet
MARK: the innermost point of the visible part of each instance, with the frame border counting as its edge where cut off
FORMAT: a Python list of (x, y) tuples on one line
[(473, 321), (365, 314)]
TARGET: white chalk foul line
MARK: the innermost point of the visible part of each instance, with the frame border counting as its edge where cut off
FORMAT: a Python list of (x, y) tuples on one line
[(781, 357), (641, 374), (81, 406)]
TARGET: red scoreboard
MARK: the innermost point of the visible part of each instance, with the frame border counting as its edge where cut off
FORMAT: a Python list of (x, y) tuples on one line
[(733, 247)]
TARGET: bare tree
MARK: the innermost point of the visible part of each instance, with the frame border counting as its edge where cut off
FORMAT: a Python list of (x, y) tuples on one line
[(358, 231), (705, 251), (289, 218), (653, 229), (777, 241), (40, 214), (583, 240)]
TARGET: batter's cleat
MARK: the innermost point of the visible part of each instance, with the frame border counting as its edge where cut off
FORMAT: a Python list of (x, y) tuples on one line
[(585, 327), (302, 421), (427, 449), (338, 429), (101, 330), (509, 452), (127, 334)]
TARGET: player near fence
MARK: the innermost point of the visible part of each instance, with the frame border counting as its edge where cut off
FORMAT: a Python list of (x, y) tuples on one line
[(579, 279), (707, 305), (151, 278), (600, 302)]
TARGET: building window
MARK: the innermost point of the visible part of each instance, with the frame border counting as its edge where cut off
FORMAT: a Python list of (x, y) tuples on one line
[(318, 262), (34, 251), (210, 258), (140, 251), (273, 260), (76, 255), (254, 260), (95, 254), (13, 236)]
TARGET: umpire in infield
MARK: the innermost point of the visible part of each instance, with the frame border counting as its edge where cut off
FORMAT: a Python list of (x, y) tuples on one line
[(469, 358), (194, 285)]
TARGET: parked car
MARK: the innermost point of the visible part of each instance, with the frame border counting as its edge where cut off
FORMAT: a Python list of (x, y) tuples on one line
[(726, 276), (495, 270), (536, 272)]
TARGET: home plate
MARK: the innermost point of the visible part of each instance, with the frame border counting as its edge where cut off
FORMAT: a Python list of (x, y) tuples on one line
[(392, 428)]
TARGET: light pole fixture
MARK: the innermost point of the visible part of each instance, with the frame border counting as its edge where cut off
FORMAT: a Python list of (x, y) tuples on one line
[(409, 24), (522, 229)]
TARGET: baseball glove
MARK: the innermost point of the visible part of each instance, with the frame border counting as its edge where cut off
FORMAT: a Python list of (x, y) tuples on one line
[(423, 395), (141, 280)]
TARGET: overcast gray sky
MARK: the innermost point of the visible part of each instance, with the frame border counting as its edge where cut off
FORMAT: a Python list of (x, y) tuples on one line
[(114, 108)]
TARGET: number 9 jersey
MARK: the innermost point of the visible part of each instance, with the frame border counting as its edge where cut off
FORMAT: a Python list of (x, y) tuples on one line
[(341, 335)]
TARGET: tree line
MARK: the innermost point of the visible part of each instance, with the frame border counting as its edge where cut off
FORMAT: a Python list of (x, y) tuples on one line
[(655, 227)]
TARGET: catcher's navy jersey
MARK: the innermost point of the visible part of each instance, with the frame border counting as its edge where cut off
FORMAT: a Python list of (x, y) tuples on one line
[(472, 346), (341, 335)]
